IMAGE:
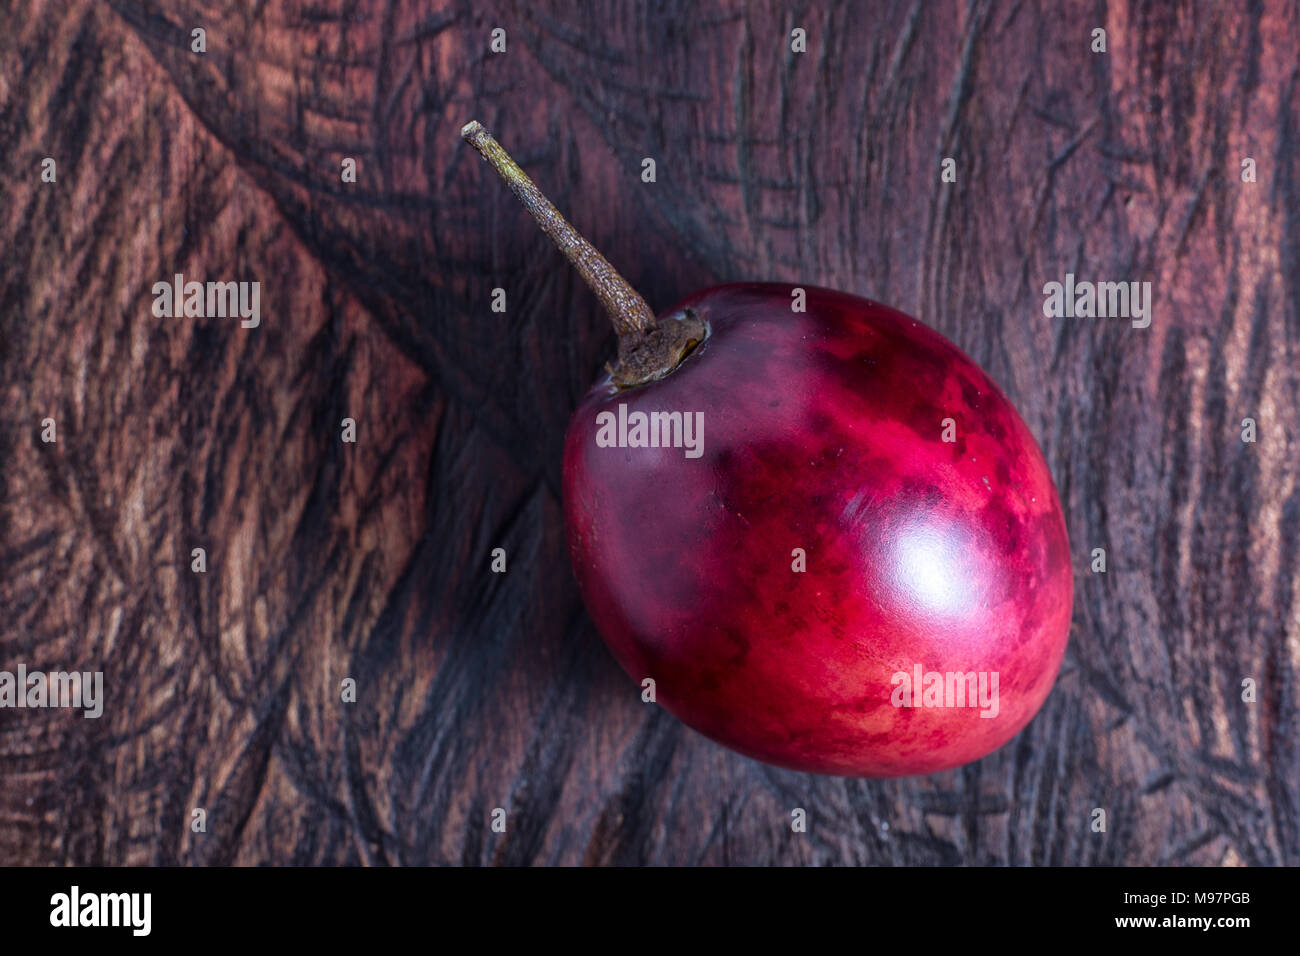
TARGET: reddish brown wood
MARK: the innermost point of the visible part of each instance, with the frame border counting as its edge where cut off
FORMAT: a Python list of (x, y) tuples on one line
[(371, 560)]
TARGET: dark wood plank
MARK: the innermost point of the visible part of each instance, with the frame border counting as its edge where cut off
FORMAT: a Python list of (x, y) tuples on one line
[(371, 560)]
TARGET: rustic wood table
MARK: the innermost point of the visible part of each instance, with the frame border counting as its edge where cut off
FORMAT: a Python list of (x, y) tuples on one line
[(327, 560)]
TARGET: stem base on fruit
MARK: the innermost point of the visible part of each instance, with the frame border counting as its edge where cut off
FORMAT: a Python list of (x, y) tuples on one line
[(648, 355)]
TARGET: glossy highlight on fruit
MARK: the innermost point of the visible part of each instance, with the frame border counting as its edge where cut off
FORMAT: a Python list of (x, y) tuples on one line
[(823, 432)]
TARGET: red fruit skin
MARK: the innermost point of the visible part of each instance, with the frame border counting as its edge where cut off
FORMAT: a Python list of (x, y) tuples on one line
[(822, 431)]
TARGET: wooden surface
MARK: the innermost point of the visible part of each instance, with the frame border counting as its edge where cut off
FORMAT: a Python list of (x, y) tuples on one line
[(371, 561)]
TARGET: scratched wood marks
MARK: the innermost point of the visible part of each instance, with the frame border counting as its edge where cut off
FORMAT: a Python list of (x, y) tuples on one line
[(478, 690)]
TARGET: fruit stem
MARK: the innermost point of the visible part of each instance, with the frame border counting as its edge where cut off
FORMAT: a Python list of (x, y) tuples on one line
[(628, 311)]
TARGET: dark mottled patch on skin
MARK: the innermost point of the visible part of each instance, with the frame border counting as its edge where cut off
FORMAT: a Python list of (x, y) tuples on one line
[(821, 423), (921, 490), (740, 647), (924, 417), (1003, 471), (1005, 525), (924, 365), (707, 680), (995, 427)]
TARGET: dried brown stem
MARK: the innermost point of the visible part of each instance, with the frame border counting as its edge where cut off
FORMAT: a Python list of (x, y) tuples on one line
[(628, 311)]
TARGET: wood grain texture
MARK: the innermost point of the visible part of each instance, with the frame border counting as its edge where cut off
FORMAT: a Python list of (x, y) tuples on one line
[(479, 690)]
